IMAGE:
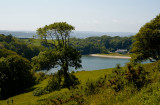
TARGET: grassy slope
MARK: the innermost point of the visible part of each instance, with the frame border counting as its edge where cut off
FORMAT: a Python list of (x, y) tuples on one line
[(36, 42), (91, 75), (29, 99)]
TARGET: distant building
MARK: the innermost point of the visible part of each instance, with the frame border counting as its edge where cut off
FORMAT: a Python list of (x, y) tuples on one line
[(121, 51)]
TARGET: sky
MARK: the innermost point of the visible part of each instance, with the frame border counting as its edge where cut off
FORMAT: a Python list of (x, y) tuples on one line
[(84, 15)]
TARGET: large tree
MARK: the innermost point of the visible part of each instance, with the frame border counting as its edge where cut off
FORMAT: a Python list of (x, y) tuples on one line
[(15, 75), (147, 42), (63, 54)]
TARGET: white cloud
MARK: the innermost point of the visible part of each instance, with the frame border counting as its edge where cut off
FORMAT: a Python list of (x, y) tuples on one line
[(116, 21)]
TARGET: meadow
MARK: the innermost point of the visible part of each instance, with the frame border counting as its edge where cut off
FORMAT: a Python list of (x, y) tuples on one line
[(28, 98), (93, 94)]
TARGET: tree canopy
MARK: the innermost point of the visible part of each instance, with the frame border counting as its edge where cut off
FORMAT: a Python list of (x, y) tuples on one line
[(103, 44), (147, 41), (64, 55), (59, 32), (15, 75), (19, 46)]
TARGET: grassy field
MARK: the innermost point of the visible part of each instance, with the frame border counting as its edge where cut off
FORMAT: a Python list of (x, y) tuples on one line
[(28, 99), (36, 42), (117, 54), (104, 94), (83, 76)]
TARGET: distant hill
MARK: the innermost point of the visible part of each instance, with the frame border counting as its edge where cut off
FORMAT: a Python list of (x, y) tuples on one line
[(77, 34), (85, 34), (19, 34)]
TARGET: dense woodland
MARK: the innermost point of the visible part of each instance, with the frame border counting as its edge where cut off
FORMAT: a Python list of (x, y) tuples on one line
[(90, 45), (133, 84), (20, 47), (103, 44)]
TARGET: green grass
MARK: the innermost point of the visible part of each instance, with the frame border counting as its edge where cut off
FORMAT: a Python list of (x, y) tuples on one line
[(117, 54), (83, 76), (105, 95), (29, 99), (36, 42)]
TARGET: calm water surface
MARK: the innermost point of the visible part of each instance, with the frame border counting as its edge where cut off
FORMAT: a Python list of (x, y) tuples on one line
[(96, 63)]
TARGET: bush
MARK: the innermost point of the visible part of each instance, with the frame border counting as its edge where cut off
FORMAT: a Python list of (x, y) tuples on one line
[(137, 76), (116, 79), (53, 85), (90, 88), (39, 77), (74, 80), (39, 91), (101, 81), (65, 97)]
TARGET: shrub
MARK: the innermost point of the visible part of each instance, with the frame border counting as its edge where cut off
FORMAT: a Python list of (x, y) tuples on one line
[(71, 81), (90, 88), (101, 81), (116, 79), (137, 76), (40, 76), (53, 84), (39, 91)]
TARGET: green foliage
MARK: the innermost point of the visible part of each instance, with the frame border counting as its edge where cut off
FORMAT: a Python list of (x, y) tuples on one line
[(25, 50), (117, 79), (15, 75), (146, 45), (103, 91), (39, 77), (45, 60), (51, 58), (65, 55), (71, 81), (59, 31), (53, 84), (90, 88), (137, 76), (103, 44), (72, 97), (56, 83), (39, 91)]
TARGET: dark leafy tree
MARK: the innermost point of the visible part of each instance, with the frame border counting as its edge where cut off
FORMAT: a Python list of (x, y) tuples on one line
[(67, 56), (147, 42), (15, 75), (25, 50)]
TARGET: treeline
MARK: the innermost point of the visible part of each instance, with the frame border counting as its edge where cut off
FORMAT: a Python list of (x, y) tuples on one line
[(103, 44), (90, 45), (20, 47)]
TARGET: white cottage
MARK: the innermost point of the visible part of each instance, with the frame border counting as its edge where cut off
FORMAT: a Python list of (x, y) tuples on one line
[(121, 51)]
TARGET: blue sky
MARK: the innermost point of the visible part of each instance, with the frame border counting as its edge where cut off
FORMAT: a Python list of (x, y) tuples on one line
[(85, 15)]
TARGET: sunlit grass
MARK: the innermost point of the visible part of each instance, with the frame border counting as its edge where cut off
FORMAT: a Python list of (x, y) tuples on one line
[(29, 99), (105, 95), (83, 76), (117, 54)]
